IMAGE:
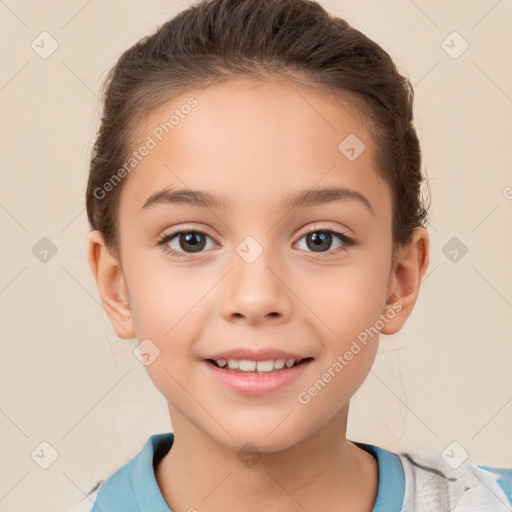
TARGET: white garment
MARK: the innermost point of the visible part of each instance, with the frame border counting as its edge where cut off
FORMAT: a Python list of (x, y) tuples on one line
[(432, 485)]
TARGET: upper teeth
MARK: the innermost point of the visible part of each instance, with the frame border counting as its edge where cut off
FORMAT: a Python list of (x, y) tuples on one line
[(246, 365)]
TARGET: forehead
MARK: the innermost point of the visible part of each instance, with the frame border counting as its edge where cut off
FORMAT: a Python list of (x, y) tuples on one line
[(254, 142)]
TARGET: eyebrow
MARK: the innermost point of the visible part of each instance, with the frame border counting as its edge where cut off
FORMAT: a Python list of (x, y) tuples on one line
[(301, 199)]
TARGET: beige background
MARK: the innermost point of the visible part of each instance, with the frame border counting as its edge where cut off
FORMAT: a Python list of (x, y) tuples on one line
[(68, 380)]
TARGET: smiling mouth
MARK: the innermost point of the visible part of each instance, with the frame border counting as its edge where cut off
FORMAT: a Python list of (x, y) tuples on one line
[(257, 367)]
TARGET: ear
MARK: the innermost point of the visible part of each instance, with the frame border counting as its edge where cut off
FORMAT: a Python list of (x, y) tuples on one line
[(409, 266), (111, 286)]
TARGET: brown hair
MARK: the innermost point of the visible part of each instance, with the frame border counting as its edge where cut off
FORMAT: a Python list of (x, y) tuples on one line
[(217, 40)]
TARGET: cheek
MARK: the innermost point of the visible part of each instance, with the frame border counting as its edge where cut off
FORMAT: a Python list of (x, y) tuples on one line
[(163, 299), (165, 311), (349, 298), (168, 308)]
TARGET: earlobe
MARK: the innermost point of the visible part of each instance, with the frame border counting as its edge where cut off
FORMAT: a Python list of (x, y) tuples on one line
[(405, 279), (111, 286)]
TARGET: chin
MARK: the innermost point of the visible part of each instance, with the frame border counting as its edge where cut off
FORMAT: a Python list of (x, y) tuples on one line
[(260, 439)]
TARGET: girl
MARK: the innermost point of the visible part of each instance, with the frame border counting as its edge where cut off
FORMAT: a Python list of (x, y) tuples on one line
[(256, 223)]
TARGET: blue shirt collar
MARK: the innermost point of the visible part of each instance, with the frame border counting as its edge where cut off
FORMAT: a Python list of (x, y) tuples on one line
[(149, 498), (391, 490)]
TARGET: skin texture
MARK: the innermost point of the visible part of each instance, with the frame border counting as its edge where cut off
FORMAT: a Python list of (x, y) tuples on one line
[(255, 142)]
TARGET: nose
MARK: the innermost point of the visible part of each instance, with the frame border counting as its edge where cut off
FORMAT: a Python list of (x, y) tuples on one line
[(256, 291)]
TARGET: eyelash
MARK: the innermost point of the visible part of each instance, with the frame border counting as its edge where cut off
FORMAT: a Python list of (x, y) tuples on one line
[(166, 238)]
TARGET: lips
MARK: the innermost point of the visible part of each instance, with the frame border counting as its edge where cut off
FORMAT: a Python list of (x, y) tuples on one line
[(253, 354), (255, 383)]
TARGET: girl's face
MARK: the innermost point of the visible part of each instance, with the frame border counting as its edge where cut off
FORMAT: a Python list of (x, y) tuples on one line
[(266, 273)]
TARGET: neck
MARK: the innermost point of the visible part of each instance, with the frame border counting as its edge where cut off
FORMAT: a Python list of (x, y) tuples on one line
[(324, 471)]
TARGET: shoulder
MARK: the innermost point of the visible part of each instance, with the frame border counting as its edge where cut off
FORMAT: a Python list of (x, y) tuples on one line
[(503, 478), (437, 482), (116, 493), (111, 495), (132, 483)]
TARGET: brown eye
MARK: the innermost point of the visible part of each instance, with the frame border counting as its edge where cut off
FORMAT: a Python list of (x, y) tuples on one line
[(321, 240), (192, 241), (180, 243)]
